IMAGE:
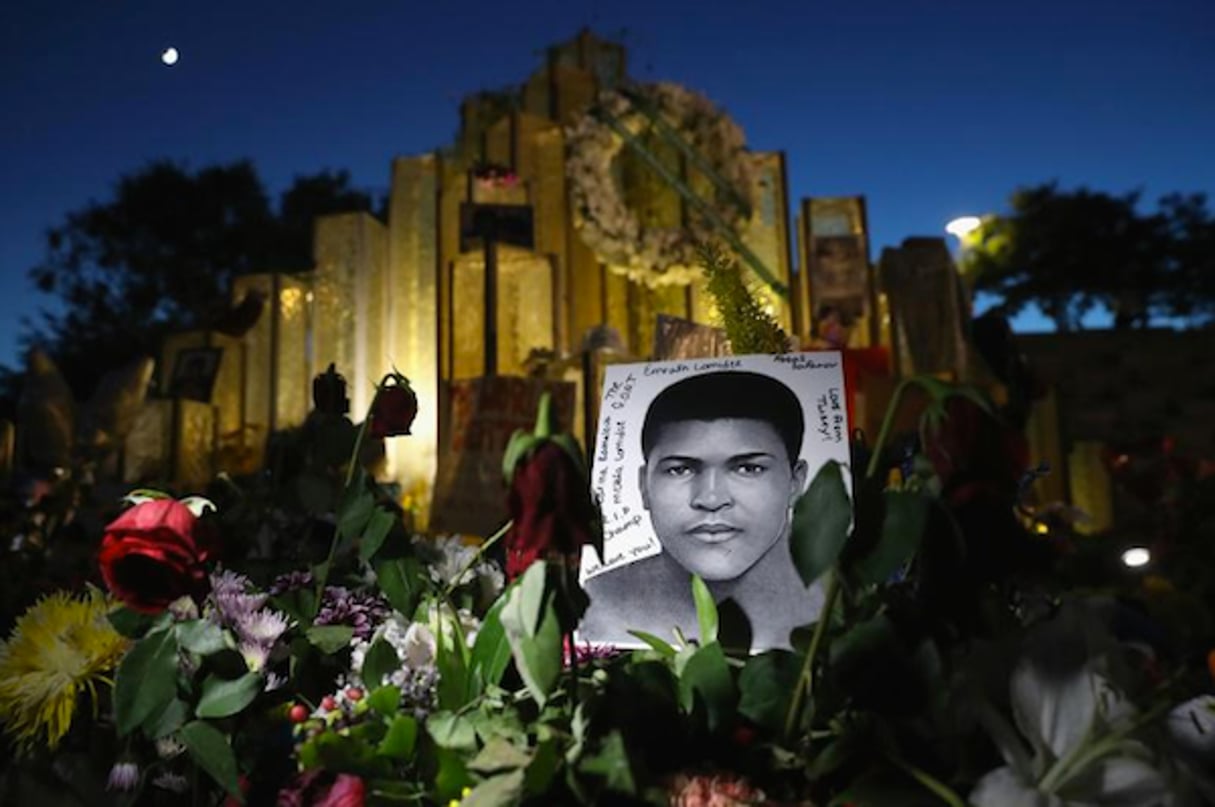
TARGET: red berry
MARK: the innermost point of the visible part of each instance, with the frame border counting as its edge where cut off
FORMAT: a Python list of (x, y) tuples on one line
[(328, 703), (354, 694), (298, 713)]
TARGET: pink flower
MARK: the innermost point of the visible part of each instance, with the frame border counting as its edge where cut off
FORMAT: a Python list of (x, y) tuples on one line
[(716, 790), (347, 791)]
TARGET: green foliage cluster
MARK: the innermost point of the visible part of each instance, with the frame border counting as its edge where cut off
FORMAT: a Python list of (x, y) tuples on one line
[(749, 327), (1070, 252)]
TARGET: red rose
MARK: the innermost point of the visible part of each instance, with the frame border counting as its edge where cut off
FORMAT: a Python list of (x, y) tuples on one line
[(550, 507), (347, 791), (393, 412), (153, 554)]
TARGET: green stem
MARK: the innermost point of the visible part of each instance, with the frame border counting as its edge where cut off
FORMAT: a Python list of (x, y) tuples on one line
[(887, 425), (1083, 755), (804, 690), (672, 137), (355, 464), (941, 790), (721, 225), (476, 558)]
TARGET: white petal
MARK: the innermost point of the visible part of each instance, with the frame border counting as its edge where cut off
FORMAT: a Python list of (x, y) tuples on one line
[(1055, 711), (1004, 788), (1191, 728), (1121, 782)]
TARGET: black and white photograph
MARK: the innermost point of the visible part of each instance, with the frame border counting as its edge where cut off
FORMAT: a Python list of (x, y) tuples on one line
[(697, 466)]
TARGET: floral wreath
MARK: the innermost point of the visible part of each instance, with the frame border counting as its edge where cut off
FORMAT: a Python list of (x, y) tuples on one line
[(656, 256)]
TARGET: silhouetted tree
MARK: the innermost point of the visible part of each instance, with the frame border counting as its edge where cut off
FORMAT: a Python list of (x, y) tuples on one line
[(160, 255), (1071, 251)]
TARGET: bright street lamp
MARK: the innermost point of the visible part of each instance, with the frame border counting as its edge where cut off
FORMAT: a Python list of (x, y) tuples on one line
[(963, 226)]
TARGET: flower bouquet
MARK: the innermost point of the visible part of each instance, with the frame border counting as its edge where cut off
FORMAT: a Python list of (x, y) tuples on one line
[(956, 658)]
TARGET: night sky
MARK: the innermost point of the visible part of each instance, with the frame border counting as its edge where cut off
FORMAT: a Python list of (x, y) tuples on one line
[(931, 108)]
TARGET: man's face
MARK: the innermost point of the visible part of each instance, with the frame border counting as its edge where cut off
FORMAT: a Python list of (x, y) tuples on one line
[(719, 493)]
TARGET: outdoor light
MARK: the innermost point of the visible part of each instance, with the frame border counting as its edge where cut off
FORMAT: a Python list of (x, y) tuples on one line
[(963, 226), (1136, 556)]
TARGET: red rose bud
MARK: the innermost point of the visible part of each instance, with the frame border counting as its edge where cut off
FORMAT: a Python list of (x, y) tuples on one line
[(394, 410), (153, 554), (551, 509)]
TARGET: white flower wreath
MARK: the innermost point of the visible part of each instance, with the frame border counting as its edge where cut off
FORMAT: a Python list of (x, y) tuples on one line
[(656, 256)]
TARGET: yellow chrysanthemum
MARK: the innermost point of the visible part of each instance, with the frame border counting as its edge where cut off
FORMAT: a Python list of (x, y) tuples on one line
[(60, 647)]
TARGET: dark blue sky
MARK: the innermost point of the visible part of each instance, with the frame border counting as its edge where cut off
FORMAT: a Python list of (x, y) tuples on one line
[(931, 108)]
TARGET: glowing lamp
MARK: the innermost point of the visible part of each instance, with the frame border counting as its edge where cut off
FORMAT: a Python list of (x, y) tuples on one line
[(963, 226), (1136, 556)]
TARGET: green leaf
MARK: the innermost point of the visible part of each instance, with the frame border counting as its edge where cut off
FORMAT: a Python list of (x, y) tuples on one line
[(329, 639), (705, 681), (490, 653), (222, 697), (451, 662), (211, 751), (380, 524), (451, 777), (766, 685), (199, 505), (653, 641), (611, 761), (525, 603), (520, 445), (401, 738), (385, 700), (141, 495), (168, 720), (450, 730), (496, 791), (537, 656), (381, 661), (400, 581), (128, 623), (821, 520), (358, 506), (146, 680), (201, 636), (706, 610), (545, 762), (902, 530), (499, 755)]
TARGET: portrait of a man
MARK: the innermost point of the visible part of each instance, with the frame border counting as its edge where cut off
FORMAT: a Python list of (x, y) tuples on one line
[(721, 470)]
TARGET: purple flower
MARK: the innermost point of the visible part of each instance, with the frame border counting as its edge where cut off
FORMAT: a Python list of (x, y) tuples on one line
[(360, 610), (291, 581), (124, 776)]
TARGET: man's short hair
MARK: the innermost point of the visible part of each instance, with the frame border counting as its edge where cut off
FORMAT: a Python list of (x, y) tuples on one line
[(727, 394)]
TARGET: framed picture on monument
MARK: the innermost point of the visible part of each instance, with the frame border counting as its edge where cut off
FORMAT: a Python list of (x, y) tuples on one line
[(194, 372), (697, 465)]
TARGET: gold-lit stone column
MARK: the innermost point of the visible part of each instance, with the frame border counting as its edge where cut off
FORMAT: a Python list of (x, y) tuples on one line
[(349, 303), (548, 200), (292, 388), (413, 325), (1091, 486), (525, 312), (767, 234)]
